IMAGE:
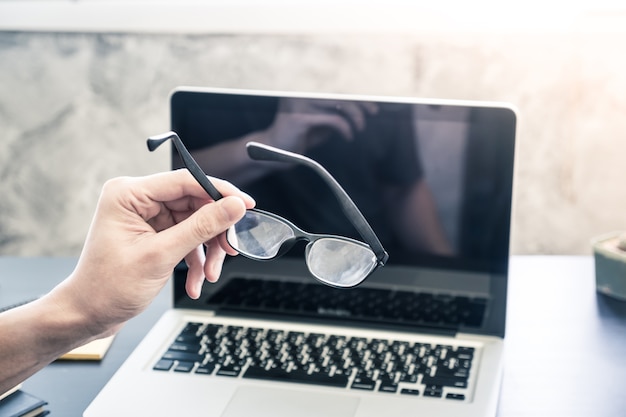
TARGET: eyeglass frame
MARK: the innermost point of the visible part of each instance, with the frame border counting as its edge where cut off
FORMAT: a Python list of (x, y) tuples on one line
[(259, 151)]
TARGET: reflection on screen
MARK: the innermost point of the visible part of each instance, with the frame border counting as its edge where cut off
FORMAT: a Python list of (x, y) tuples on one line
[(429, 179)]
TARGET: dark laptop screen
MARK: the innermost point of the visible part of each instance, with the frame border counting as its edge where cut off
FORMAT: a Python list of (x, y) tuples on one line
[(434, 181), (433, 178)]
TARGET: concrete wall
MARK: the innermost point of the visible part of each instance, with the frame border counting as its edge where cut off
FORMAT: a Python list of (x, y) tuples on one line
[(75, 109)]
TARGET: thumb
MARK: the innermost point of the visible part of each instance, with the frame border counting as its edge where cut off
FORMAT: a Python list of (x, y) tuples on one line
[(203, 225)]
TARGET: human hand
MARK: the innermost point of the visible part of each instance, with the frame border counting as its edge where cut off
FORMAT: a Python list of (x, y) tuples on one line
[(142, 228), (302, 124)]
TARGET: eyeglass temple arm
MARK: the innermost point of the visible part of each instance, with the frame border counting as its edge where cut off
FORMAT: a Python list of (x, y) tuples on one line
[(259, 151), (193, 167)]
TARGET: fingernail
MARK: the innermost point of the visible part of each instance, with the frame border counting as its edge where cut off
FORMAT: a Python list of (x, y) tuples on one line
[(249, 198)]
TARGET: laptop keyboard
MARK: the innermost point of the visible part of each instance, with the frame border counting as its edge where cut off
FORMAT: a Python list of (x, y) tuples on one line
[(386, 366)]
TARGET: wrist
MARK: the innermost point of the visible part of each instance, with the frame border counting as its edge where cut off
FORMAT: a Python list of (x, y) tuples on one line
[(72, 317), (41, 331)]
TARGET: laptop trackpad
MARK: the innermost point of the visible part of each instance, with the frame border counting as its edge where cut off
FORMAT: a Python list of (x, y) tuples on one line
[(277, 402)]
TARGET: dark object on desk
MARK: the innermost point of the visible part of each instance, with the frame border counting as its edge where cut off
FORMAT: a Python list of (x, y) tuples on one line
[(22, 404), (610, 264)]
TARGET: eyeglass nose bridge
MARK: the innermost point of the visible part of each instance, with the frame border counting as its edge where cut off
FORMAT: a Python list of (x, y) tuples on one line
[(290, 243), (299, 235)]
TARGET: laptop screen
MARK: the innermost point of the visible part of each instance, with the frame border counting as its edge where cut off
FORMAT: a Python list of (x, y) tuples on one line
[(433, 178)]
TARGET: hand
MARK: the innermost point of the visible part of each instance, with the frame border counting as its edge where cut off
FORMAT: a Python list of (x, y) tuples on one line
[(302, 124), (142, 228)]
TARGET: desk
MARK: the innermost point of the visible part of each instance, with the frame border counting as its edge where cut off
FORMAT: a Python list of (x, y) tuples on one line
[(565, 344)]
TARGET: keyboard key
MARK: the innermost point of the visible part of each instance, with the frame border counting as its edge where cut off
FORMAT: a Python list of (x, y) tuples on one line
[(182, 356), (445, 381), (433, 391), (410, 378), (452, 396), (299, 376), (408, 391), (163, 365), (184, 367), (364, 381), (367, 385), (230, 370), (190, 339), (185, 347), (206, 369), (388, 387)]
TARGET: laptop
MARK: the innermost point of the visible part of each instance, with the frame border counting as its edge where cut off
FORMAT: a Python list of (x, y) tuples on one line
[(423, 335)]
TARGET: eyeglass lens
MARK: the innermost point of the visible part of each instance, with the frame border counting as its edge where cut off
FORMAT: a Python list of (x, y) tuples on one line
[(335, 261), (340, 262), (258, 236)]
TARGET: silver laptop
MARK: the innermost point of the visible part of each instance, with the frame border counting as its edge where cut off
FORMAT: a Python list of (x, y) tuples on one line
[(422, 335)]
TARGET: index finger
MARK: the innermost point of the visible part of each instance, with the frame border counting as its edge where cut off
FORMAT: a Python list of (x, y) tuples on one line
[(178, 184)]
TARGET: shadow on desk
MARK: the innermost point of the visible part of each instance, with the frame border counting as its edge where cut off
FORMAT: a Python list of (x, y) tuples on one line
[(611, 308)]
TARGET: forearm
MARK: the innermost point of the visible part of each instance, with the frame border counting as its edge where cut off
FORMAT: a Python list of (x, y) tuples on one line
[(36, 334), (142, 229)]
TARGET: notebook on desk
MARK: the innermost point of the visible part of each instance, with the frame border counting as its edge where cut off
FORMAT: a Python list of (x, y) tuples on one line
[(423, 335)]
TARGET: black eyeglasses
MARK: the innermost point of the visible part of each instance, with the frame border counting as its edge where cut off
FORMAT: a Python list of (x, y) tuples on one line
[(334, 260)]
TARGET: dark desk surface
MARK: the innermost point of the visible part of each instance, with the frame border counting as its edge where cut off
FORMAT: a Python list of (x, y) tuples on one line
[(565, 344)]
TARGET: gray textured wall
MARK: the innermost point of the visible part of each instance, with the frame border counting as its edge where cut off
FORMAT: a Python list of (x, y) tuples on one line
[(75, 110)]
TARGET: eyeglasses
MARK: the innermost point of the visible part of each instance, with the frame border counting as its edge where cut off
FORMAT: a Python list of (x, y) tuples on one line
[(334, 260)]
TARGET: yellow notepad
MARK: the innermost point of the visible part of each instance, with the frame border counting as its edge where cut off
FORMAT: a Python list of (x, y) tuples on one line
[(92, 351)]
